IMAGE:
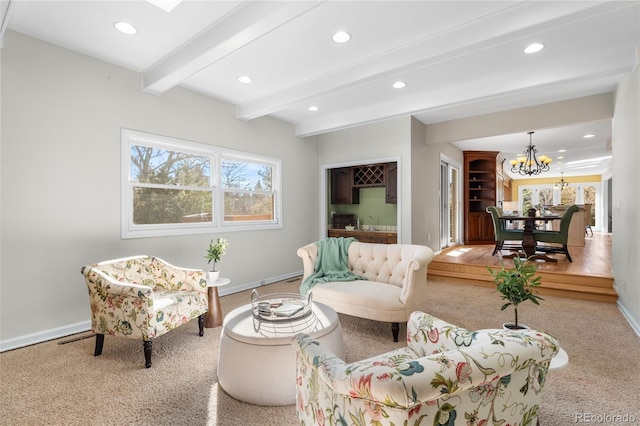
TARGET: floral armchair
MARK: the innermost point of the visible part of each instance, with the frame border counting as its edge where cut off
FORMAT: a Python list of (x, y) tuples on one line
[(143, 297), (445, 376)]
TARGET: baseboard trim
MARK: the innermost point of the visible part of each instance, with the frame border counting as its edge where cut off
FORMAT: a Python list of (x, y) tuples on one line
[(223, 291), (56, 333), (630, 319), (44, 336)]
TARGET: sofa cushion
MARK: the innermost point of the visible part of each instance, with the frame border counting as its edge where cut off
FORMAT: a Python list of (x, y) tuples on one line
[(378, 262), (365, 299)]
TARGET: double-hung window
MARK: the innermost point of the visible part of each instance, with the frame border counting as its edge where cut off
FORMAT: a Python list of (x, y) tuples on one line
[(174, 187), (247, 187)]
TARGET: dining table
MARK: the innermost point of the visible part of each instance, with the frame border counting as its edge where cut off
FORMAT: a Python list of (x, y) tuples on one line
[(528, 235)]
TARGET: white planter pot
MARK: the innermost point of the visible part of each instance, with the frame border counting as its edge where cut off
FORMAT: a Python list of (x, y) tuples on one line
[(511, 326), (212, 276)]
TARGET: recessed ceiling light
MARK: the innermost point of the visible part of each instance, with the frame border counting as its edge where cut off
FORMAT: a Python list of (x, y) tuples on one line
[(560, 158), (589, 136), (245, 79), (562, 150), (341, 37), (125, 28), (534, 47), (399, 84), (313, 108)]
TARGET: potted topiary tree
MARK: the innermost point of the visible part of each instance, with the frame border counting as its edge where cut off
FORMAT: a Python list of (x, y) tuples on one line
[(214, 254), (517, 285)]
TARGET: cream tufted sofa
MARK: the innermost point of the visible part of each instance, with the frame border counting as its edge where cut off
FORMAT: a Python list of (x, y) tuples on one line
[(395, 285), (446, 375)]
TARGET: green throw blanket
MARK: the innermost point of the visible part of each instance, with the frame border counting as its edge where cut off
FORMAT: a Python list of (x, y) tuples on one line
[(332, 264)]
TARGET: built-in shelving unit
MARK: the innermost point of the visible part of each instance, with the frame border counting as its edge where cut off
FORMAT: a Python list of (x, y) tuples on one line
[(483, 187)]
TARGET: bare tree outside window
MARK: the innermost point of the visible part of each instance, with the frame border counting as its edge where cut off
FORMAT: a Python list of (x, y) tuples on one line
[(176, 187), (590, 198), (545, 197), (173, 187), (248, 190), (527, 200), (568, 196)]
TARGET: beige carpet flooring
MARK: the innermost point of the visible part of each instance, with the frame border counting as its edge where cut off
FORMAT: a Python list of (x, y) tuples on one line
[(61, 383)]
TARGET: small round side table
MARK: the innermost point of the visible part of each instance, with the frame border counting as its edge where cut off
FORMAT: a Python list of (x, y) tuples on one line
[(213, 318), (559, 361)]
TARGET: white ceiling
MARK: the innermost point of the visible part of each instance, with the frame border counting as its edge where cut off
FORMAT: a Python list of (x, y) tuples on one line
[(458, 58)]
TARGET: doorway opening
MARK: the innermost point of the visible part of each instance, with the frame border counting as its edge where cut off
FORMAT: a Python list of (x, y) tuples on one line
[(450, 202)]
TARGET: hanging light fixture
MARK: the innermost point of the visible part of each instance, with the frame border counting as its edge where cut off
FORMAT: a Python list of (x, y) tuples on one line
[(527, 163), (562, 184)]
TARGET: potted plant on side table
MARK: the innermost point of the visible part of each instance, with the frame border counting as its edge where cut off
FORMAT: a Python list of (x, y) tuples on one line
[(214, 254), (517, 285)]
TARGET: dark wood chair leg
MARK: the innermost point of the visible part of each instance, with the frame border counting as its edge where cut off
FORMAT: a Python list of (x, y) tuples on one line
[(99, 343), (395, 330), (201, 325), (147, 353), (566, 251), (495, 249)]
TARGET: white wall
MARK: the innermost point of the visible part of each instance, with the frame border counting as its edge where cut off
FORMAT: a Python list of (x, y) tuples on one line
[(520, 120), (422, 217), (626, 204), (426, 196), (388, 139), (60, 184)]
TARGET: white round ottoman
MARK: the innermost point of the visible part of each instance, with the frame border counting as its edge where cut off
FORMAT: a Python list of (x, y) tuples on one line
[(257, 363)]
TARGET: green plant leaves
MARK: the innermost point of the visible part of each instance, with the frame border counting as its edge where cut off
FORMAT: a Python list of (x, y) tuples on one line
[(517, 284)]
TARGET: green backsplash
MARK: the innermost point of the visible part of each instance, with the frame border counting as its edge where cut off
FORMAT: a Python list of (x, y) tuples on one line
[(372, 203)]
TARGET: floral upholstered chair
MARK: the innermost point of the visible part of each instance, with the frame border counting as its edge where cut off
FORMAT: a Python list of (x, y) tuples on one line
[(445, 376), (143, 297)]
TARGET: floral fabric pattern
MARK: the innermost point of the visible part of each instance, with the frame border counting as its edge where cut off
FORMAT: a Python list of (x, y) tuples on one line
[(143, 296), (445, 376)]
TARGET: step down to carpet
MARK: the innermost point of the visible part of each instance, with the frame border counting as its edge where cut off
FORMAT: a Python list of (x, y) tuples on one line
[(554, 284)]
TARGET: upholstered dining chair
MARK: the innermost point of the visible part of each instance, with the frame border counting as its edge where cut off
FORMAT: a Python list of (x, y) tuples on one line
[(501, 232), (142, 297), (558, 237)]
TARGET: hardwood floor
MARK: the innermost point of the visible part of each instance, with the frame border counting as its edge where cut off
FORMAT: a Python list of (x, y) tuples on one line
[(588, 277)]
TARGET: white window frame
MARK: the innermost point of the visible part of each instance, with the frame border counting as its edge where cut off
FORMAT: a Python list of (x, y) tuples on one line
[(215, 153), (249, 159)]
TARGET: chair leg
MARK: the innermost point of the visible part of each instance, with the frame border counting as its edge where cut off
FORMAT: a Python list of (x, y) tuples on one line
[(395, 330), (566, 252), (495, 249), (147, 353), (201, 325), (99, 343)]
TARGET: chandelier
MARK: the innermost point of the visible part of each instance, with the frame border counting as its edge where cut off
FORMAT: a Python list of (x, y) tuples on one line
[(527, 163), (562, 184)]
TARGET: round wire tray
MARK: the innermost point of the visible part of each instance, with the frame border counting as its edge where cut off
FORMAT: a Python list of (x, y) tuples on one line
[(280, 307)]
